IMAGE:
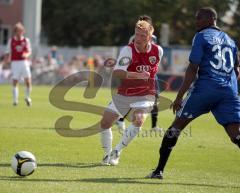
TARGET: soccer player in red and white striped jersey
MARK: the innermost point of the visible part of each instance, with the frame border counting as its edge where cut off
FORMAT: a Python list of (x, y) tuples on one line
[(136, 66), (18, 52)]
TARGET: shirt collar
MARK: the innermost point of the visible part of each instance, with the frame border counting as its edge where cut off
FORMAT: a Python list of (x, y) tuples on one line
[(211, 27), (148, 50), (22, 37)]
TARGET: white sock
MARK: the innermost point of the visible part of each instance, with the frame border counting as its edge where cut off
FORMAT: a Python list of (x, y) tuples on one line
[(106, 140), (128, 136), (15, 94), (27, 92)]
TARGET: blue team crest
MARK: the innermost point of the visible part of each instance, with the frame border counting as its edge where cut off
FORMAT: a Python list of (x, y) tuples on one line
[(152, 59)]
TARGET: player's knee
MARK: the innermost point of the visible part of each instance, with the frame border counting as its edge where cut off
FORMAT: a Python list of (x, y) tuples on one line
[(15, 83), (138, 119), (105, 123), (138, 122), (28, 84), (172, 132)]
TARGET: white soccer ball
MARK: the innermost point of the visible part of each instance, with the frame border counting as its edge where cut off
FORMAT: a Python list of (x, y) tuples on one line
[(24, 163)]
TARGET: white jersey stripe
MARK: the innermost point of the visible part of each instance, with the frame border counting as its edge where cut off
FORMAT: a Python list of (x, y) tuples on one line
[(179, 112)]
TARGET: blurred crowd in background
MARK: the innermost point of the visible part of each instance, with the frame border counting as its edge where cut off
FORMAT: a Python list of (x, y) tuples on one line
[(53, 66)]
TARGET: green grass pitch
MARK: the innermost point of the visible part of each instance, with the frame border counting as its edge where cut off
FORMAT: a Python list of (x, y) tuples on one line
[(204, 159)]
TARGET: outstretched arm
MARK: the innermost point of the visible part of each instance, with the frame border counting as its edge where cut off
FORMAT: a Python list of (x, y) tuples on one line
[(131, 75), (189, 78), (28, 52), (7, 55), (6, 59)]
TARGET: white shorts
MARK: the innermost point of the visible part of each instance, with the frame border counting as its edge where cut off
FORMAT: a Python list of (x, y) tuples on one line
[(20, 69), (122, 105)]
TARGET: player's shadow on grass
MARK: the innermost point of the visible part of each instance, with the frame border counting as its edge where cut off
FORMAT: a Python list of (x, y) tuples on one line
[(103, 180), (151, 181), (128, 181), (4, 165), (64, 165), (70, 165)]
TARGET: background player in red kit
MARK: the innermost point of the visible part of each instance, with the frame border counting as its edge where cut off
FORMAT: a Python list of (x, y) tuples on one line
[(19, 51), (136, 66)]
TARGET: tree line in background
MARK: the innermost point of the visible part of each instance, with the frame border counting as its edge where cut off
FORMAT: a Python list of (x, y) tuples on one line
[(111, 22)]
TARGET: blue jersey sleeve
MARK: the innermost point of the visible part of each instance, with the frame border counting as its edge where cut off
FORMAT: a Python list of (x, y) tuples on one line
[(197, 49)]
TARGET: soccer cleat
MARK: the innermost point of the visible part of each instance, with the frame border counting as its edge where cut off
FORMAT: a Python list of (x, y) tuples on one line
[(28, 102), (105, 160), (157, 129), (120, 125), (15, 104), (114, 157), (155, 175)]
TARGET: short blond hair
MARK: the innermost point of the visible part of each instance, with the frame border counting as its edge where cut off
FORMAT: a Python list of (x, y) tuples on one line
[(145, 26), (20, 26)]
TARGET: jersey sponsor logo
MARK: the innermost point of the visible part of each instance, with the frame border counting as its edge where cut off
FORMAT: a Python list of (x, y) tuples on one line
[(23, 44), (19, 48), (152, 59), (142, 68)]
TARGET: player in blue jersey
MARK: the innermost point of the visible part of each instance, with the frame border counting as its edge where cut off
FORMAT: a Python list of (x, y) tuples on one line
[(211, 82)]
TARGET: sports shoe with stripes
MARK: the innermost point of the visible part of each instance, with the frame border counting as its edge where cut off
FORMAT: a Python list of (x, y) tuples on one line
[(155, 175), (114, 157), (28, 102), (105, 160)]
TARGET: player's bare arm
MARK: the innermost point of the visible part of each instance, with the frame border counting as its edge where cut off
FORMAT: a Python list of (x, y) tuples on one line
[(237, 67), (6, 59), (122, 74), (26, 55), (190, 76)]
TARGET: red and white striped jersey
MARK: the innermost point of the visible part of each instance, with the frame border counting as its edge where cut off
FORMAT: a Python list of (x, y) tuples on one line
[(130, 59), (17, 47)]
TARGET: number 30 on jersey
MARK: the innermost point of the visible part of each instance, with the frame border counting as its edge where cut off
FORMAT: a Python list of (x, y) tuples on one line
[(221, 57)]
